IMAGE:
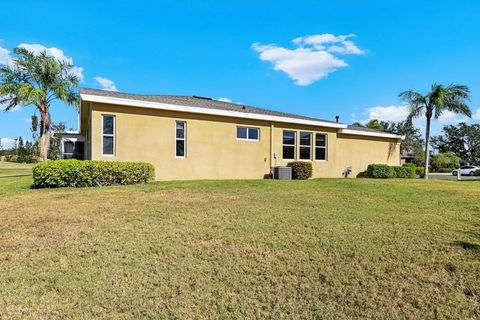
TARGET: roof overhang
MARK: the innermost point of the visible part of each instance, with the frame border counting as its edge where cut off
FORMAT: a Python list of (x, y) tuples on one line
[(199, 110), (372, 134)]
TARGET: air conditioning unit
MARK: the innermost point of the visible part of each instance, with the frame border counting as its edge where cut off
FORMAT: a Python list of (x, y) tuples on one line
[(282, 173)]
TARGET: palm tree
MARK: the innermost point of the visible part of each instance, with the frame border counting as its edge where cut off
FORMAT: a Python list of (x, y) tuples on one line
[(38, 79), (373, 124), (440, 99)]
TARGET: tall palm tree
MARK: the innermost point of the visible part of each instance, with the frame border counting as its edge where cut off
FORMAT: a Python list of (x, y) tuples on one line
[(432, 105), (37, 79)]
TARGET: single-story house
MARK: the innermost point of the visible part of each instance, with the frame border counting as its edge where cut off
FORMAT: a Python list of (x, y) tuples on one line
[(192, 137)]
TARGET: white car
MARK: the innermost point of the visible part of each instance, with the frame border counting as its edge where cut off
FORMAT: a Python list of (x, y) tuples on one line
[(466, 170)]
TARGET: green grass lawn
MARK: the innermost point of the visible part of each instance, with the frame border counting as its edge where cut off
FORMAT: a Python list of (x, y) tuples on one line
[(326, 248), (13, 169)]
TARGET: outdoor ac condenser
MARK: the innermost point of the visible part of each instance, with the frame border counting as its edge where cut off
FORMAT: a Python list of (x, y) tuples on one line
[(282, 173)]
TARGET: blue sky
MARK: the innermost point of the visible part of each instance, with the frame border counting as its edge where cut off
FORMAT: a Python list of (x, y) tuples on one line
[(317, 58)]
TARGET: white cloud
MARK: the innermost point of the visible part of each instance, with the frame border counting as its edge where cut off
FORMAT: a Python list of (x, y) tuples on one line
[(331, 43), (58, 54), (476, 114), (225, 100), (7, 143), (312, 59), (4, 56), (106, 84), (388, 113)]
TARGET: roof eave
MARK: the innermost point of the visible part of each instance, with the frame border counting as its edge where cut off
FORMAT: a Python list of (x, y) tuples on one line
[(200, 110)]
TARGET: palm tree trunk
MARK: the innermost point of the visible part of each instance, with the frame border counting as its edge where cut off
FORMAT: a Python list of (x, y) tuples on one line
[(427, 144), (44, 141)]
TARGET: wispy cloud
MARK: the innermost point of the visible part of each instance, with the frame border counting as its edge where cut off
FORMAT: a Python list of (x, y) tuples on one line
[(388, 113), (106, 84), (313, 57), (225, 100)]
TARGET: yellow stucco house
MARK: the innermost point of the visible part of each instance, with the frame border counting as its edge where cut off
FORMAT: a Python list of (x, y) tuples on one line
[(189, 137)]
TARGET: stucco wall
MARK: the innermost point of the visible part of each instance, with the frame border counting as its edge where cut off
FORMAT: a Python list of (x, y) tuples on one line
[(213, 151)]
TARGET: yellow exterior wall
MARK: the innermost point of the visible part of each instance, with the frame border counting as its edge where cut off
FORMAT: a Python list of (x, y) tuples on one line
[(213, 151)]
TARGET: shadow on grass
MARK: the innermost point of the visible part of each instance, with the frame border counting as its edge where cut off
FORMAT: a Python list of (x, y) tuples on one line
[(468, 246), (16, 176)]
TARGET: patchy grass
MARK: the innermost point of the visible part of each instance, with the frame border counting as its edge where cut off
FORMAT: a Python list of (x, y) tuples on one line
[(241, 249)]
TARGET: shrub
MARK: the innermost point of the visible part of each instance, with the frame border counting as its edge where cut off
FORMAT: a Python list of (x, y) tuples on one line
[(444, 170), (420, 171), (301, 170), (89, 173), (445, 160), (404, 172), (380, 171), (477, 172)]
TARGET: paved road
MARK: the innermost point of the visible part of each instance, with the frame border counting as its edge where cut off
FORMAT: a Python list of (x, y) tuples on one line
[(449, 176)]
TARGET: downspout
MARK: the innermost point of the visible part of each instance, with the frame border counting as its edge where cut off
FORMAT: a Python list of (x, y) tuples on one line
[(272, 159)]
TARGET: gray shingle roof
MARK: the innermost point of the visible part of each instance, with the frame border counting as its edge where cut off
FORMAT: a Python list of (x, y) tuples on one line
[(195, 101)]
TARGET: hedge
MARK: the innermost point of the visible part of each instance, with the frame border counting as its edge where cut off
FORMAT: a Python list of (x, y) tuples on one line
[(477, 172), (90, 173), (383, 171), (420, 171), (301, 170)]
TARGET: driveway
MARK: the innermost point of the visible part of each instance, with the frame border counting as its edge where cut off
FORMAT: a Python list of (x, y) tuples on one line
[(449, 176)]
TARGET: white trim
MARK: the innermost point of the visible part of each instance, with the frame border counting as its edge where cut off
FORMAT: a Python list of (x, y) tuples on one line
[(226, 113), (110, 135), (184, 139), (248, 139), (371, 134)]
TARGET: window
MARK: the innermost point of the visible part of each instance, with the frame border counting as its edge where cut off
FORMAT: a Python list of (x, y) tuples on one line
[(73, 149), (180, 134), (305, 145), (288, 145), (320, 146), (244, 133), (108, 135)]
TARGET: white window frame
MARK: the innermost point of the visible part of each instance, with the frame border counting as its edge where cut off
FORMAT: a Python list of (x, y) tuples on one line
[(184, 139), (321, 147), (110, 135), (248, 134), (309, 146), (294, 145)]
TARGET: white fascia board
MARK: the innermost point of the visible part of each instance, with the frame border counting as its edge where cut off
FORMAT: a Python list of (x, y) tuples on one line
[(371, 134), (226, 113)]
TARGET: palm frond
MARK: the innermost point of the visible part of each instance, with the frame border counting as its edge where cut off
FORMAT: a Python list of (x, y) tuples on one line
[(416, 103)]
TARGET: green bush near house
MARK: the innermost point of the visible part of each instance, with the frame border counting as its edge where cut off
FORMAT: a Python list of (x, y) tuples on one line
[(420, 171), (413, 169), (90, 173), (301, 170), (380, 171), (477, 172), (404, 172), (383, 171)]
